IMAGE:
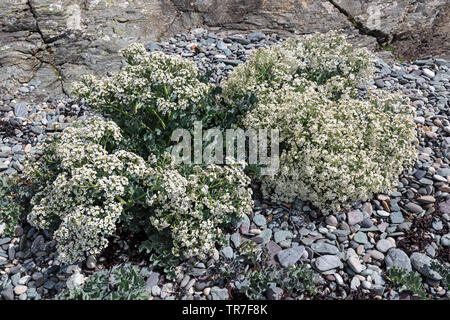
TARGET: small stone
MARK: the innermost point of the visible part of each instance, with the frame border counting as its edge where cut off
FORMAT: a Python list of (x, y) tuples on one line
[(32, 293), (221, 45), (354, 217), (445, 240), (156, 291), (4, 241), (430, 251), (397, 258), (422, 263), (18, 231), (324, 248), (282, 235), (360, 237), (377, 255), (49, 285), (274, 293), (166, 290), (328, 262), (185, 281), (366, 285), (383, 213), (427, 72), (383, 245), (444, 207), (420, 120), (23, 297), (289, 257), (11, 252), (339, 279), (259, 220), (75, 281), (266, 235), (437, 225), (379, 83), (396, 217), (444, 172), (8, 294), (414, 207), (227, 252), (366, 223), (21, 110), (18, 290), (152, 280), (91, 262), (383, 226), (219, 294), (378, 289), (236, 239), (244, 228), (367, 208), (331, 221), (355, 283), (272, 249), (355, 264), (427, 199)]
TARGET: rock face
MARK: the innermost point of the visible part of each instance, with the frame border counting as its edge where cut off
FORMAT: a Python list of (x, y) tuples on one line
[(54, 42)]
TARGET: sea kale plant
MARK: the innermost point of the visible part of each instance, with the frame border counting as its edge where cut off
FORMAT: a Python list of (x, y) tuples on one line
[(407, 281), (81, 178), (10, 206), (337, 145), (121, 283), (296, 280), (88, 185), (195, 203), (154, 94), (322, 58)]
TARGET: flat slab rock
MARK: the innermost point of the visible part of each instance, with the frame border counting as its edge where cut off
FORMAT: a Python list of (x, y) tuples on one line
[(289, 257), (397, 258), (328, 262), (422, 263)]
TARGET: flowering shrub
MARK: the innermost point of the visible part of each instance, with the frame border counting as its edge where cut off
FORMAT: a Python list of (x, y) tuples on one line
[(195, 203), (10, 210), (325, 59), (149, 98), (88, 185), (336, 147), (84, 181)]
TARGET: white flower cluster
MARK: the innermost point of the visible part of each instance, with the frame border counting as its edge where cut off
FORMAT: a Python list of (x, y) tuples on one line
[(151, 78), (91, 182), (323, 58), (195, 205), (335, 148), (81, 203)]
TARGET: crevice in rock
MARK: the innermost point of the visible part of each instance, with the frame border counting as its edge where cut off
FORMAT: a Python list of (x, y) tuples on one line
[(46, 41), (382, 38), (33, 12)]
